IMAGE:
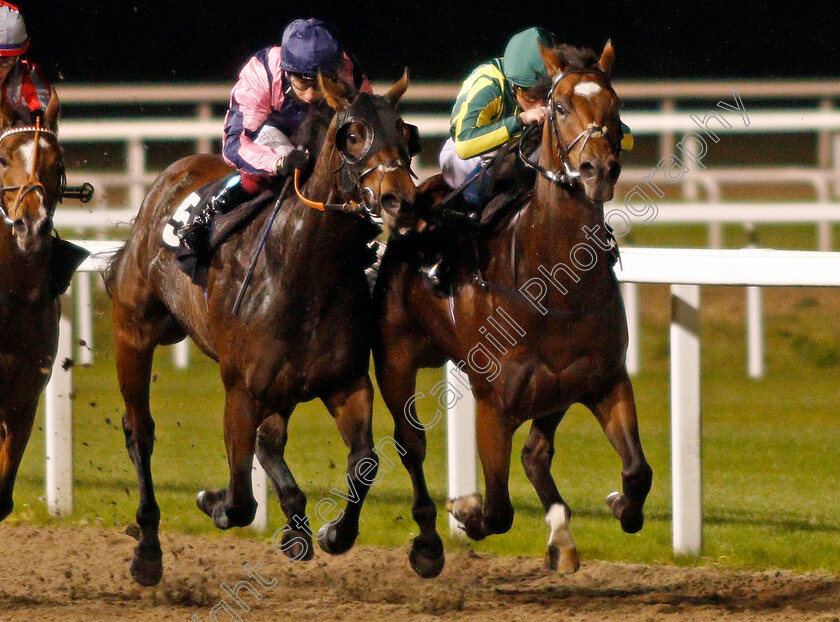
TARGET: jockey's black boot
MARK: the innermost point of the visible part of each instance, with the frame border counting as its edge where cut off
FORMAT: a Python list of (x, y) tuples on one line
[(458, 218), (195, 235)]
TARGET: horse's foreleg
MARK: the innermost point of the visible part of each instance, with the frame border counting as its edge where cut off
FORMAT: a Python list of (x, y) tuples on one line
[(616, 412), (493, 436), (352, 408), (134, 370), (235, 506), (397, 377), (14, 435), (271, 445), (536, 458)]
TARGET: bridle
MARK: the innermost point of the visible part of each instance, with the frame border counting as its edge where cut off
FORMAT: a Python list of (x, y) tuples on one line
[(32, 184), (568, 175), (368, 111)]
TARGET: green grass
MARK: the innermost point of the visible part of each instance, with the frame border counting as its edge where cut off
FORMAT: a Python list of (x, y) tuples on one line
[(769, 447)]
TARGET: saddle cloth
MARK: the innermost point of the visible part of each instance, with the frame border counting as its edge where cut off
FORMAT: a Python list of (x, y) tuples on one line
[(222, 227)]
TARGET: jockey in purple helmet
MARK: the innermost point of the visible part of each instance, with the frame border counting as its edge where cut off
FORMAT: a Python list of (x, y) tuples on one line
[(22, 84), (267, 104)]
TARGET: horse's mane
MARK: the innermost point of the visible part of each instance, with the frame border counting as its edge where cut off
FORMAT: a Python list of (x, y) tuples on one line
[(576, 58)]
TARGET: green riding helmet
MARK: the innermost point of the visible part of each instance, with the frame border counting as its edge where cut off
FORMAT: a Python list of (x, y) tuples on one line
[(524, 65)]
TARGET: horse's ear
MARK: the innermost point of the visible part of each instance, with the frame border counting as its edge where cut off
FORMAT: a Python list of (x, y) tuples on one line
[(398, 90), (551, 59), (52, 112), (607, 58), (338, 93)]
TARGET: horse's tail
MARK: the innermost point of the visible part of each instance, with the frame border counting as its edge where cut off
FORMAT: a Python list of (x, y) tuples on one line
[(111, 271)]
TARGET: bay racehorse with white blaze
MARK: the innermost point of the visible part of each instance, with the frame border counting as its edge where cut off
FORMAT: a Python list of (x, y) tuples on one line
[(31, 184), (546, 269), (303, 330)]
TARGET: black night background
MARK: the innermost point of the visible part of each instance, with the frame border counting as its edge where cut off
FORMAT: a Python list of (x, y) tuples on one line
[(98, 41)]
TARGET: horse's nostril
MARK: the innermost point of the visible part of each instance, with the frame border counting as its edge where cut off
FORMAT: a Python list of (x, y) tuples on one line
[(19, 226), (390, 202), (588, 170), (43, 226)]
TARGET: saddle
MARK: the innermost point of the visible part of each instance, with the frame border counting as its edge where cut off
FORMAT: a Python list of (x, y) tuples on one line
[(196, 265), (64, 259)]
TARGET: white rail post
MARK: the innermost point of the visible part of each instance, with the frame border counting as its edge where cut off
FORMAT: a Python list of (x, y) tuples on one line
[(685, 420), (84, 318), (136, 171), (181, 354), (259, 485), (755, 321), (630, 293), (204, 113), (58, 428), (835, 156), (755, 333), (667, 145), (460, 442)]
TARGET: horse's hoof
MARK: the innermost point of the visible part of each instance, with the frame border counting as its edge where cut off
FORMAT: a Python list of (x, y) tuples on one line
[(631, 517), (212, 503), (208, 501), (204, 502), (330, 543), (297, 545), (467, 511), (562, 561), (147, 565), (632, 521), (426, 567)]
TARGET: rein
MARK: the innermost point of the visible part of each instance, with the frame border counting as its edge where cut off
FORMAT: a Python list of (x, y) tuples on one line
[(32, 184)]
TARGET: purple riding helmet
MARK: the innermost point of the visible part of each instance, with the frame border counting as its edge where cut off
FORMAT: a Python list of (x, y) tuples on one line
[(310, 46)]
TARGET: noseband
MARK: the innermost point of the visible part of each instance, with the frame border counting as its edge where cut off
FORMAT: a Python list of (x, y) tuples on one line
[(568, 175), (32, 184)]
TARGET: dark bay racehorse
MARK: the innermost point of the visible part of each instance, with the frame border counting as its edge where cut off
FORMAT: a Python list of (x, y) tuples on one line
[(541, 285), (31, 178), (303, 331)]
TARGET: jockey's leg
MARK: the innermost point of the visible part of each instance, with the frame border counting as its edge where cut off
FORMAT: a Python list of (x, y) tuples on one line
[(195, 233)]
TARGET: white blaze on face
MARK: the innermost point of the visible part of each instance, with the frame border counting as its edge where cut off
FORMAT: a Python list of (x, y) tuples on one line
[(587, 89), (27, 152)]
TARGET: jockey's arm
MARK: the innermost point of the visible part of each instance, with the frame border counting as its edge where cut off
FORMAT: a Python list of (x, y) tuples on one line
[(477, 125), (250, 105)]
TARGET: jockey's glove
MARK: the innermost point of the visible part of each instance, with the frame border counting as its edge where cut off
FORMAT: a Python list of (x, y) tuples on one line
[(297, 158)]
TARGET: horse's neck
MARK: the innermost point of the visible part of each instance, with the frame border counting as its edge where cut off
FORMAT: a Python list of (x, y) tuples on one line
[(547, 233), (308, 240), (22, 276)]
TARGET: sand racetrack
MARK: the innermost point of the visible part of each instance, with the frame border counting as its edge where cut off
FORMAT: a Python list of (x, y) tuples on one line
[(82, 574)]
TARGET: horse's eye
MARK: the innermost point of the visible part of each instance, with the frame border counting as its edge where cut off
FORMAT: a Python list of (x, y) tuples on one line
[(560, 110), (352, 138), (3, 161)]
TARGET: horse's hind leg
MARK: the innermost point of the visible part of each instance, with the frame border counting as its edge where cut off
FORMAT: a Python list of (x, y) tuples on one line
[(352, 408), (536, 458), (272, 434), (134, 353), (396, 376), (235, 506), (616, 412), (15, 429)]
